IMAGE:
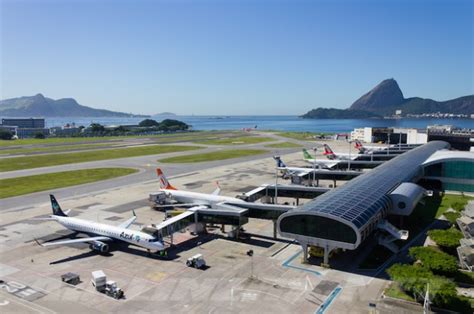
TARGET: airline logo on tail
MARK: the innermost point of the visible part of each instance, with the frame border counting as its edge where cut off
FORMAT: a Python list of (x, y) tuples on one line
[(164, 184), (57, 211), (328, 152), (358, 145), (307, 155)]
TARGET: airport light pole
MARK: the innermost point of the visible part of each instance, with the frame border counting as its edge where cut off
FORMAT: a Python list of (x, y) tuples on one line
[(400, 141), (250, 253), (388, 141), (349, 163), (276, 187)]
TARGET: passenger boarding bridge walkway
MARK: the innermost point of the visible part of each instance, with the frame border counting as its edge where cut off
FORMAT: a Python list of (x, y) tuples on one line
[(236, 215), (393, 234)]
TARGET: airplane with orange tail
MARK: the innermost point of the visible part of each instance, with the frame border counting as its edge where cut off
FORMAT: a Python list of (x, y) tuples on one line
[(212, 200)]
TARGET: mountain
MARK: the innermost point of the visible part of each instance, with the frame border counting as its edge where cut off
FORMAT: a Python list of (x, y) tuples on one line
[(331, 113), (387, 97), (38, 105)]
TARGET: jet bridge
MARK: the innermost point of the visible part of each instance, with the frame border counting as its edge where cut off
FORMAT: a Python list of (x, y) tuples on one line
[(223, 215), (357, 164), (269, 191), (323, 174)]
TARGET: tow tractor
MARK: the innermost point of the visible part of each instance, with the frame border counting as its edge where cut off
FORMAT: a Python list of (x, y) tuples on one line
[(196, 261), (109, 287)]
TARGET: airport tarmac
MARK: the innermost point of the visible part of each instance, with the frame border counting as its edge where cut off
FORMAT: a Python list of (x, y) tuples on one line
[(273, 280)]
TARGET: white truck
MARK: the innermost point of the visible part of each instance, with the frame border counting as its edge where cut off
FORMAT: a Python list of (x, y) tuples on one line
[(109, 287), (196, 261), (99, 280)]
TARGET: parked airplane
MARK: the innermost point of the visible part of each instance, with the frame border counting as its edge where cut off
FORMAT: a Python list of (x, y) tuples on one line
[(100, 233), (380, 149), (290, 171), (321, 163), (341, 163), (357, 157), (193, 199), (328, 152)]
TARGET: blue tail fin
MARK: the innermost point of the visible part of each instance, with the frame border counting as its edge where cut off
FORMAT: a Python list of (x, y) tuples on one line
[(279, 162), (57, 211)]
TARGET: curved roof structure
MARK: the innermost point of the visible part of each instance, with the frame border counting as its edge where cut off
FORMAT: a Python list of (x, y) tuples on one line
[(357, 202), (449, 155)]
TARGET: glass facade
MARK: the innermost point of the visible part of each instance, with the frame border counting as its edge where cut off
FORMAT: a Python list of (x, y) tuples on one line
[(453, 170), (458, 187), (458, 169), (318, 227)]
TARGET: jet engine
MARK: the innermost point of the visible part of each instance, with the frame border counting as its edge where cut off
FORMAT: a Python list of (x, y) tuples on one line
[(99, 246)]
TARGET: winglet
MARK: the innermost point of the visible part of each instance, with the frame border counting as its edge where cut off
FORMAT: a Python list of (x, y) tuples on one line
[(133, 211), (37, 242), (164, 184), (218, 189)]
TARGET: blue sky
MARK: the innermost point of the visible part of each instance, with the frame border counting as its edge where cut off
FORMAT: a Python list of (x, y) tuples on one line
[(234, 57)]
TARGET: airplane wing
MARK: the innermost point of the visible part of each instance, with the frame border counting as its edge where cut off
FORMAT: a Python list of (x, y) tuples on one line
[(326, 162), (224, 205), (79, 240), (180, 205), (251, 205), (128, 222), (302, 173)]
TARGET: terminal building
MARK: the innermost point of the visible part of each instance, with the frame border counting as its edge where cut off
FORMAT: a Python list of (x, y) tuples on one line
[(460, 139), (28, 123), (344, 217), (389, 135), (24, 127)]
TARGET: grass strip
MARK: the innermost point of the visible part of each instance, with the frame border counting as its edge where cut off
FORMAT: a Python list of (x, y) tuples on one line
[(29, 162), (43, 182), (165, 138), (51, 149), (241, 140), (457, 202), (219, 155), (395, 291)]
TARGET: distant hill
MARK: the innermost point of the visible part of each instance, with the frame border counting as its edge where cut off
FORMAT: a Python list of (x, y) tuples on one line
[(331, 113), (165, 114), (40, 106), (387, 97)]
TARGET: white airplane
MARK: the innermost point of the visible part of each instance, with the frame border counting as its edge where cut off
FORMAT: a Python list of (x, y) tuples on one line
[(321, 163), (392, 149), (290, 171), (100, 233), (328, 152), (334, 163), (213, 200)]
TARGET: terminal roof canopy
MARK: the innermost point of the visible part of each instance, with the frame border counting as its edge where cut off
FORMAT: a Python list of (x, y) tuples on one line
[(360, 199)]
